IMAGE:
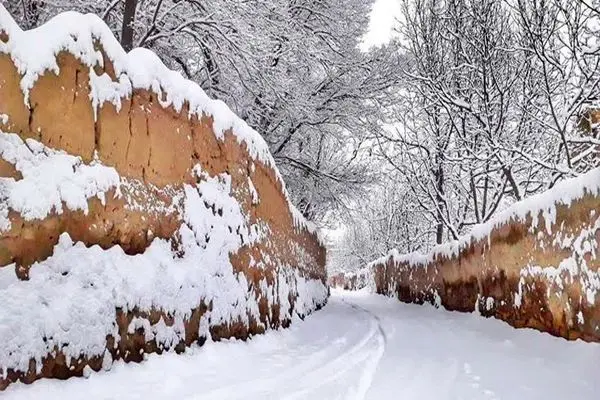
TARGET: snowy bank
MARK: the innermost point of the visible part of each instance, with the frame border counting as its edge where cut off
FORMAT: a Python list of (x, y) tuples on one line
[(137, 215)]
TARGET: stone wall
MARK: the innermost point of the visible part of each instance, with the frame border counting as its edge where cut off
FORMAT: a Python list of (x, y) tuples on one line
[(535, 266), (173, 156)]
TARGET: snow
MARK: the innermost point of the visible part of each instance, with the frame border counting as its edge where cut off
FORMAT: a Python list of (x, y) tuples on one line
[(580, 318), (253, 192), (50, 178), (540, 207), (34, 53), (70, 299), (360, 346)]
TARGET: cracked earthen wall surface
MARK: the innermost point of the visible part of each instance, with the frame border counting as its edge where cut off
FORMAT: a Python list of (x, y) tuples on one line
[(155, 148), (526, 273)]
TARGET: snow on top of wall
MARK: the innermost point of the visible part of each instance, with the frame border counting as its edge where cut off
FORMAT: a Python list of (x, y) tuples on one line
[(574, 268), (50, 178), (543, 204), (34, 52)]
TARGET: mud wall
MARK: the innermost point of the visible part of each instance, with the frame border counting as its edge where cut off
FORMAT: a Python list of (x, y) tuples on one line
[(534, 267), (352, 280), (165, 155), (337, 280)]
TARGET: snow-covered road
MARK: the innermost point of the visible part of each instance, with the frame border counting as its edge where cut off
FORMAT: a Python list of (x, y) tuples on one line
[(359, 346)]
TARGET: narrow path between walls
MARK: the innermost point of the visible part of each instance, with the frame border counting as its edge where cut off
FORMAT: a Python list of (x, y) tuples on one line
[(360, 346)]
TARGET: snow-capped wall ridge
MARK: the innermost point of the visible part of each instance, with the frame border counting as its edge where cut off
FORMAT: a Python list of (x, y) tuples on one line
[(539, 208)]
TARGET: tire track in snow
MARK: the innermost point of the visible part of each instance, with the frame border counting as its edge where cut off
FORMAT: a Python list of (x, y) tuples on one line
[(367, 377), (357, 363), (379, 326), (347, 361)]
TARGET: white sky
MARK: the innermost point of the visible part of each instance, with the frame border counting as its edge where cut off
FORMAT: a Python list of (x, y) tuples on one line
[(382, 21), (382, 16)]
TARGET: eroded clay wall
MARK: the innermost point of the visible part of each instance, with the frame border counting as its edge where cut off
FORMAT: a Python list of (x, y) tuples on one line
[(159, 153), (539, 271)]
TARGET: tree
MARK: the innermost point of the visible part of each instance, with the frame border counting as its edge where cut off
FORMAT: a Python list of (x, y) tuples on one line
[(387, 218), (492, 105), (128, 20), (561, 39)]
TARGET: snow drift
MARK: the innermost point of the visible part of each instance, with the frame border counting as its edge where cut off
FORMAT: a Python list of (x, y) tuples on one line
[(136, 214), (535, 265)]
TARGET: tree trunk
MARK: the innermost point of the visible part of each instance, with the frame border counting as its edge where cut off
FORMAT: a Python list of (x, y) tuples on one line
[(31, 13), (439, 176), (128, 20)]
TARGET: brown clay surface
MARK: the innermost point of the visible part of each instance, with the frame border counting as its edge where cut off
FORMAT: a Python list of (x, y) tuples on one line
[(490, 274)]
